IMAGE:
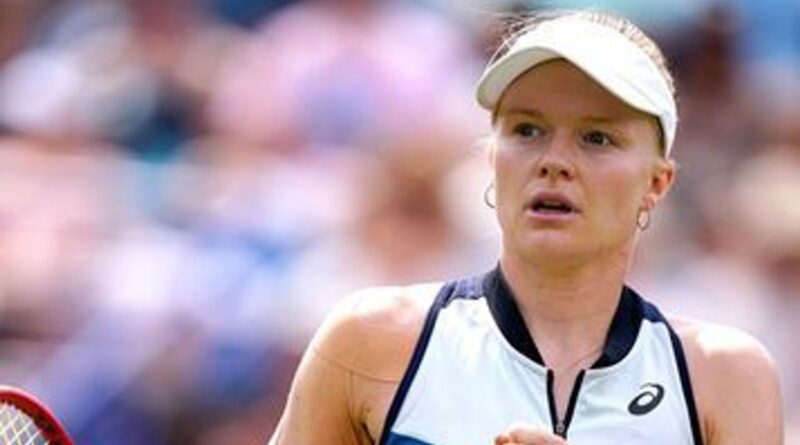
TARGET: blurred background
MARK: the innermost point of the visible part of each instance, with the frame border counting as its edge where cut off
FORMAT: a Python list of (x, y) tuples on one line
[(188, 186)]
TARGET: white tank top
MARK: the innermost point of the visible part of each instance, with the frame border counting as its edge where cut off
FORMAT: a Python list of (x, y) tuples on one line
[(476, 370)]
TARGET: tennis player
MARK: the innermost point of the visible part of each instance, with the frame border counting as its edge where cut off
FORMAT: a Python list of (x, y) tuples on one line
[(550, 347)]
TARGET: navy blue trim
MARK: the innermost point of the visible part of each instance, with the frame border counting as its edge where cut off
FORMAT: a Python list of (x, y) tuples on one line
[(622, 332), (506, 314), (399, 439), (444, 296), (551, 400), (573, 401), (652, 313), (686, 385), (624, 329), (468, 288)]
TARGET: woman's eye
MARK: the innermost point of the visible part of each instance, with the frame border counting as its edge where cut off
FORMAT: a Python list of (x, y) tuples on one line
[(597, 138), (527, 130)]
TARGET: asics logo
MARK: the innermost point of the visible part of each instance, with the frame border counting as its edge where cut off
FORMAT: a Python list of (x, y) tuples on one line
[(649, 397)]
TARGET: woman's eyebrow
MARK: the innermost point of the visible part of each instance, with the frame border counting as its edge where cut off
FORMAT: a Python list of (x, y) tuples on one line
[(607, 120), (533, 112)]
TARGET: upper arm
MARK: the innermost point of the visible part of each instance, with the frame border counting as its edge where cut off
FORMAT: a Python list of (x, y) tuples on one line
[(319, 406), (318, 409), (339, 393), (736, 387)]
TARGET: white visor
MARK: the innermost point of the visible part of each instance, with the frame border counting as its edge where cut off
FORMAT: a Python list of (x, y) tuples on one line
[(614, 61)]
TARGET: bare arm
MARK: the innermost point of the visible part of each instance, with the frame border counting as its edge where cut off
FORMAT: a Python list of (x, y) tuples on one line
[(319, 408), (349, 374), (736, 386)]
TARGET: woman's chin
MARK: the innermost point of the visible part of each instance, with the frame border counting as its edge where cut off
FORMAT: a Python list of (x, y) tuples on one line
[(551, 245)]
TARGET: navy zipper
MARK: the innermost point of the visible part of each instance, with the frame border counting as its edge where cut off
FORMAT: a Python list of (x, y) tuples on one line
[(560, 426)]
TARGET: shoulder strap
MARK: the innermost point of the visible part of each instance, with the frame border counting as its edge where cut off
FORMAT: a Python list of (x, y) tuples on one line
[(449, 292)]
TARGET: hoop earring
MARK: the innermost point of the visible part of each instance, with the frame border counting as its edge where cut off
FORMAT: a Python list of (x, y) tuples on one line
[(643, 219), (487, 196)]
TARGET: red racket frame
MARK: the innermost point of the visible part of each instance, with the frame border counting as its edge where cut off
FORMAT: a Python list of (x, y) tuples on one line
[(42, 417)]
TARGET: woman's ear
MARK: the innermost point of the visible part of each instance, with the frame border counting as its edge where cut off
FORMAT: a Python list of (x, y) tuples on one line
[(490, 148), (662, 178)]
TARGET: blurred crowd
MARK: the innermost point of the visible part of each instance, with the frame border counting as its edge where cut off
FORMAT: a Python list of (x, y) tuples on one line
[(188, 186)]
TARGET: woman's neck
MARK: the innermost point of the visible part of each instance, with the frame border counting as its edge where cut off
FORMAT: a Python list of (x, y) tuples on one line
[(567, 308)]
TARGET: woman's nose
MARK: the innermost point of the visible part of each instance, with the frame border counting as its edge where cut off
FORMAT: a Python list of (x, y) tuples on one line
[(556, 160)]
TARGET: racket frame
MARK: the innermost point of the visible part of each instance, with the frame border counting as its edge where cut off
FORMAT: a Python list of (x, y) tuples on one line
[(44, 419)]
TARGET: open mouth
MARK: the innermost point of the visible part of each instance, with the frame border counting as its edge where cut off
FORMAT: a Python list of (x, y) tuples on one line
[(553, 205)]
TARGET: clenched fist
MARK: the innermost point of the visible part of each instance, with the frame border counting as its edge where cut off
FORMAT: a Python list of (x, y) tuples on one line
[(524, 434)]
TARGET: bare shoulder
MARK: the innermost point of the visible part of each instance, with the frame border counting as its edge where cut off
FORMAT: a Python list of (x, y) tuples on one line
[(719, 345), (373, 332), (734, 381), (346, 380)]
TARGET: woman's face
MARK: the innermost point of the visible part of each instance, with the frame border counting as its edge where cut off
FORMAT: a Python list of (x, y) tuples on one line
[(573, 166)]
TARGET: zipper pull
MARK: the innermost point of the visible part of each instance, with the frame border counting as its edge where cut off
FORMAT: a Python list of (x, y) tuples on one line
[(560, 428)]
